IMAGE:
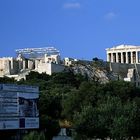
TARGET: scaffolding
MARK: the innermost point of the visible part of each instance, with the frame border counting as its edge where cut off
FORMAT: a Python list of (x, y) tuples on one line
[(35, 53)]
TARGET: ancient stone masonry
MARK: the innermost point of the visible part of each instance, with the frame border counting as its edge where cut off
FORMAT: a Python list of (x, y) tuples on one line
[(125, 59), (124, 54), (31, 59)]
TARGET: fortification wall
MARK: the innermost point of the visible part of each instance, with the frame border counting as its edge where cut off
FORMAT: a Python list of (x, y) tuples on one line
[(122, 69), (49, 68), (56, 68)]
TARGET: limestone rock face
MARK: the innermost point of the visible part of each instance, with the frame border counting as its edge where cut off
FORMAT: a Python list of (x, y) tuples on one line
[(98, 71)]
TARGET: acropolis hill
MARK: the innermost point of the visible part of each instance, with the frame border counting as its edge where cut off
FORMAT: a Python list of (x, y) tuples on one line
[(122, 63)]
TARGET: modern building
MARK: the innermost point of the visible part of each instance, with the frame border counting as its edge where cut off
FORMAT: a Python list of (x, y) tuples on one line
[(124, 54)]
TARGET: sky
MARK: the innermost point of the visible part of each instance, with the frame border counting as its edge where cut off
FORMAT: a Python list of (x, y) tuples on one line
[(80, 29)]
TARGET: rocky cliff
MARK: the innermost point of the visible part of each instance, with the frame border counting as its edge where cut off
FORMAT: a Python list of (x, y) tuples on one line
[(95, 70)]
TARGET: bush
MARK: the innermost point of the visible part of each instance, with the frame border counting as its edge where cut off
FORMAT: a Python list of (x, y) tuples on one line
[(34, 136)]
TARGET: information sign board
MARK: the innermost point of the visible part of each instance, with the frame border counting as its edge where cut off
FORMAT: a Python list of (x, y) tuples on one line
[(18, 107)]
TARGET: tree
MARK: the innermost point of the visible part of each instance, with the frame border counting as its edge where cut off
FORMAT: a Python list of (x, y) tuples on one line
[(8, 80), (110, 118), (95, 110), (34, 136), (49, 126), (88, 124), (36, 75), (123, 90), (50, 105)]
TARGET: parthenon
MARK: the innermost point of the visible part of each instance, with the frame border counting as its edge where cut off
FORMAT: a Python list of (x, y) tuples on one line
[(124, 54)]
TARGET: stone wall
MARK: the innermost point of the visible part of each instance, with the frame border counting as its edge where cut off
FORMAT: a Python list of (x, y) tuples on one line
[(122, 69), (44, 67), (4, 67), (49, 68), (56, 68)]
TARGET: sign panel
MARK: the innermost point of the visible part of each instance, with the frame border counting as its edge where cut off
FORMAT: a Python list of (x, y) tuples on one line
[(28, 95), (28, 104), (9, 123), (9, 109), (18, 107), (8, 100), (31, 122), (10, 115), (4, 94), (8, 103), (16, 123), (22, 88)]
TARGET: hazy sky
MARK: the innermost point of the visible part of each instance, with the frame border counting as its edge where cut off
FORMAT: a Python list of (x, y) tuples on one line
[(78, 28)]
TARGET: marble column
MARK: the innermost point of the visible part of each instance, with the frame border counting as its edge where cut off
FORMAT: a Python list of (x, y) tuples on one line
[(117, 58), (24, 64), (131, 57), (127, 57), (108, 57), (111, 57), (122, 61), (137, 57)]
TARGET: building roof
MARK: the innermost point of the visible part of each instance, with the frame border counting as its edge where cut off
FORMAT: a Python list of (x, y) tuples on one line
[(37, 52), (123, 47)]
